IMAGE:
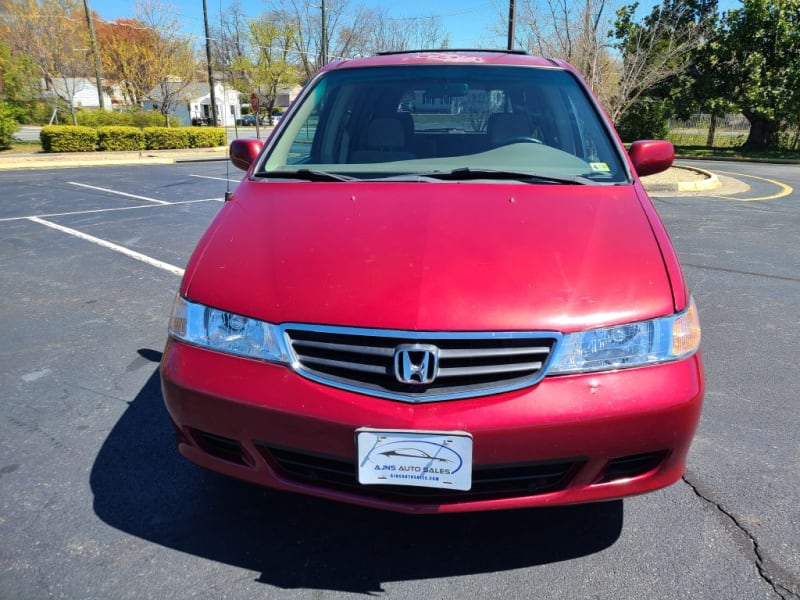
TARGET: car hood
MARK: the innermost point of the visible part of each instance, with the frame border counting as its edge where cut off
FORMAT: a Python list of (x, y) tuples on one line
[(432, 256)]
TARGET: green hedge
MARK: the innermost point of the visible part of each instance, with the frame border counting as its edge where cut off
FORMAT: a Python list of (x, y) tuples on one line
[(71, 138), (164, 138), (118, 137), (8, 125), (206, 137), (68, 138), (131, 117)]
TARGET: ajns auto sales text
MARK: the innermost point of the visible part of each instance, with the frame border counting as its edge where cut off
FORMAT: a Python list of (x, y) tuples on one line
[(413, 469)]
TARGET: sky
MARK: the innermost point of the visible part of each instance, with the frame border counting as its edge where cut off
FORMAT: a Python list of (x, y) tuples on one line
[(469, 23)]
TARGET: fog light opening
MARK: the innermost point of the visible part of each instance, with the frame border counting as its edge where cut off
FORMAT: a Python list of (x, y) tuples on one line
[(633, 465)]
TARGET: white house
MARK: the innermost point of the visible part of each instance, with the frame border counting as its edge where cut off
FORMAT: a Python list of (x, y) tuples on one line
[(287, 95), (194, 108), (81, 90)]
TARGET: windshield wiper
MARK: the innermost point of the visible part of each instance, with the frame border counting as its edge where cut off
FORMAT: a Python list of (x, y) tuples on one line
[(468, 173), (305, 175)]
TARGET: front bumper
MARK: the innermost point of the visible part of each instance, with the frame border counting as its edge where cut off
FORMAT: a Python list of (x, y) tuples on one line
[(565, 440)]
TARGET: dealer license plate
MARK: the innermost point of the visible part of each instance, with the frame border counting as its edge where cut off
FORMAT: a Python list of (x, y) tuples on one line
[(434, 459)]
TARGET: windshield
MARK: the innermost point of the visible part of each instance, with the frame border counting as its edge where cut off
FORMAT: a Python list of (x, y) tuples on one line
[(439, 122)]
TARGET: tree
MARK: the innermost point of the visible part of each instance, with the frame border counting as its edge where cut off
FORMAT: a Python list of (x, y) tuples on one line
[(172, 60), (53, 34), (757, 54), (657, 50), (127, 49), (343, 36), (575, 32), (352, 31), (19, 79), (264, 66), (229, 42), (383, 33)]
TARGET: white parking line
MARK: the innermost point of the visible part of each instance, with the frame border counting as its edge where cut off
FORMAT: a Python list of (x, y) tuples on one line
[(92, 187), (107, 210), (116, 248), (228, 179)]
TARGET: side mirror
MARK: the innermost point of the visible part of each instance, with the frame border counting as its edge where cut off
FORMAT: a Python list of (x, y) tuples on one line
[(651, 156), (244, 152)]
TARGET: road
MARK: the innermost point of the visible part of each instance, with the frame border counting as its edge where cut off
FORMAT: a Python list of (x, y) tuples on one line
[(96, 502)]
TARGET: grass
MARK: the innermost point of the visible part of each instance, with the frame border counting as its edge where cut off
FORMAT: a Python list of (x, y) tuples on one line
[(726, 145), (735, 153), (721, 140), (19, 147)]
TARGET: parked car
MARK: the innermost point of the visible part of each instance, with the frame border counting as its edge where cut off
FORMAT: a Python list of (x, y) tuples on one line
[(250, 120), (472, 306)]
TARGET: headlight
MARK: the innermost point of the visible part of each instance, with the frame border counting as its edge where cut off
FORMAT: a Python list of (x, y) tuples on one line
[(630, 345), (226, 332)]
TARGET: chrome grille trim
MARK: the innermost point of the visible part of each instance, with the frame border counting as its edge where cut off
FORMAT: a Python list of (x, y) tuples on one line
[(471, 364)]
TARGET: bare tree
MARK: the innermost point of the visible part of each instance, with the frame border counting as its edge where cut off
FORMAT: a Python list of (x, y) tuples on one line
[(174, 61), (619, 56), (574, 32), (383, 33), (229, 42), (659, 47), (53, 34), (344, 35)]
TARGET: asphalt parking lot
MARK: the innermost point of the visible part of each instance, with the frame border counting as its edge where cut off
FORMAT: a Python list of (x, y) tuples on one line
[(96, 503)]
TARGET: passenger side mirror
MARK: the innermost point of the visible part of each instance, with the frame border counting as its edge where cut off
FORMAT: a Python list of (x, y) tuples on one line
[(651, 156)]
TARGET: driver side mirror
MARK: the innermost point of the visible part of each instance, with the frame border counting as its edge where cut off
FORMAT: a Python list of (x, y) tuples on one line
[(651, 156), (244, 152)]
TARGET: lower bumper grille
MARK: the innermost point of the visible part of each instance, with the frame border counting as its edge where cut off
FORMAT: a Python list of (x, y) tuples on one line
[(626, 467), (495, 482)]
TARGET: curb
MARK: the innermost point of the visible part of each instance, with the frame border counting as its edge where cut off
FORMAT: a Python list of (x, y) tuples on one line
[(220, 154), (711, 182), (97, 159)]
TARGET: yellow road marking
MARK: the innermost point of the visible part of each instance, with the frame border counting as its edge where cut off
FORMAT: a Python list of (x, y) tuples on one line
[(785, 189)]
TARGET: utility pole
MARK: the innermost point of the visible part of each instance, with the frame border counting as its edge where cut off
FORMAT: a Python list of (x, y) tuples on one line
[(510, 24), (98, 73), (324, 37), (214, 115)]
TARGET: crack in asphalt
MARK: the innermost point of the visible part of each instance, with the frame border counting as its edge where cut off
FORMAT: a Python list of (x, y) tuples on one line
[(757, 555), (739, 272)]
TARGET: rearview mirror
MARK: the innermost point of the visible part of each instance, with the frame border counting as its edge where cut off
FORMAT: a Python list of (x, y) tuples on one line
[(451, 89)]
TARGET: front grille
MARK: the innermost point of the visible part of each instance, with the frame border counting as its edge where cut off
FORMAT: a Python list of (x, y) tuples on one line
[(488, 482), (469, 364)]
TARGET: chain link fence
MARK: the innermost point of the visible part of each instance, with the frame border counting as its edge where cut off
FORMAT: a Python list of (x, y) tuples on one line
[(728, 131)]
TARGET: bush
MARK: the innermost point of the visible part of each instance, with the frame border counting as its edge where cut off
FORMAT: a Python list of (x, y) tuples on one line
[(163, 138), (68, 138), (8, 125), (131, 117), (647, 120), (206, 137), (118, 137)]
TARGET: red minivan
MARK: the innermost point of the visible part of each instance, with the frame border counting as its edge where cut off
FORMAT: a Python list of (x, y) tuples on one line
[(440, 287)]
